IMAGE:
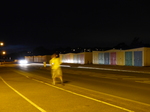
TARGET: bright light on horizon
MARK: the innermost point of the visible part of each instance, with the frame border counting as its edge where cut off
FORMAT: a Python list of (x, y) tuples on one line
[(3, 52), (22, 62), (1, 43)]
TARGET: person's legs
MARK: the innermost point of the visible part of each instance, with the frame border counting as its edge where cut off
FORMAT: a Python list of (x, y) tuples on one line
[(59, 74), (54, 81), (60, 77), (53, 76)]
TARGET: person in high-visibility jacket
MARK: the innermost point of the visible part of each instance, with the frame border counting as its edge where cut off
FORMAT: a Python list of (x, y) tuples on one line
[(56, 69)]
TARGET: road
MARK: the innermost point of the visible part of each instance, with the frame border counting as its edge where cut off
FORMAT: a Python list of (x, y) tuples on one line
[(29, 89)]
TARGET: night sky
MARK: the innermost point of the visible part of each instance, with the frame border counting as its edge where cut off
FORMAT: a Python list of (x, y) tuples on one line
[(25, 24)]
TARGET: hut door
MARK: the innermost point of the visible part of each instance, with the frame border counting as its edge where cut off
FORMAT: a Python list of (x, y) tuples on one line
[(101, 58), (106, 58), (113, 58), (128, 58), (137, 58)]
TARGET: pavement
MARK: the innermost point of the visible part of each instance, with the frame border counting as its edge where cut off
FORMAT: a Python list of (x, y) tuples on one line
[(137, 69)]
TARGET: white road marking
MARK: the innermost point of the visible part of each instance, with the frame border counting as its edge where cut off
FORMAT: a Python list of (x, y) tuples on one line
[(112, 95), (146, 82), (107, 77), (113, 69), (36, 106), (125, 77), (135, 78), (85, 96)]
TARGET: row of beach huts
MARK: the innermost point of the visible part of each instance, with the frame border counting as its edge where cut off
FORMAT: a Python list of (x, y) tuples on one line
[(130, 57)]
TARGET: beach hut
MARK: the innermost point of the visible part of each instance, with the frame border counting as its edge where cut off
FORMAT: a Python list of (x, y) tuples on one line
[(63, 58), (120, 60), (110, 57), (137, 57), (46, 58), (98, 57), (30, 59), (67, 58), (84, 58)]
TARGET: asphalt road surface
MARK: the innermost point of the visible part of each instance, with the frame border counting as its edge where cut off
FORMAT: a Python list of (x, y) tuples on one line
[(28, 88)]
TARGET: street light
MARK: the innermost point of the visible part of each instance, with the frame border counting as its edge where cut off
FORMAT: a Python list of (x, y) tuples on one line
[(3, 52), (1, 43)]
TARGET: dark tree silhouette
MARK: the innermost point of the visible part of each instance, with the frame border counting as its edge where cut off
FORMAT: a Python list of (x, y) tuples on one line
[(136, 43), (121, 45)]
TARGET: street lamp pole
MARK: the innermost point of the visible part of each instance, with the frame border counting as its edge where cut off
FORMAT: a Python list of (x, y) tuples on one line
[(3, 52)]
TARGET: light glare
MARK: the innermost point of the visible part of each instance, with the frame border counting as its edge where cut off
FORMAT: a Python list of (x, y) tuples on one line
[(23, 62)]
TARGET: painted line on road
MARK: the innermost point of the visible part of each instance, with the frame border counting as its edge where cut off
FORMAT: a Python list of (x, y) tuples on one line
[(136, 78), (141, 103), (80, 94), (39, 108), (113, 69), (85, 96), (145, 82), (90, 90), (97, 91)]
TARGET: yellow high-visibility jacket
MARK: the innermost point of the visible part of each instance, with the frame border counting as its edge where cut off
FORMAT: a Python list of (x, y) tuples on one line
[(55, 63)]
